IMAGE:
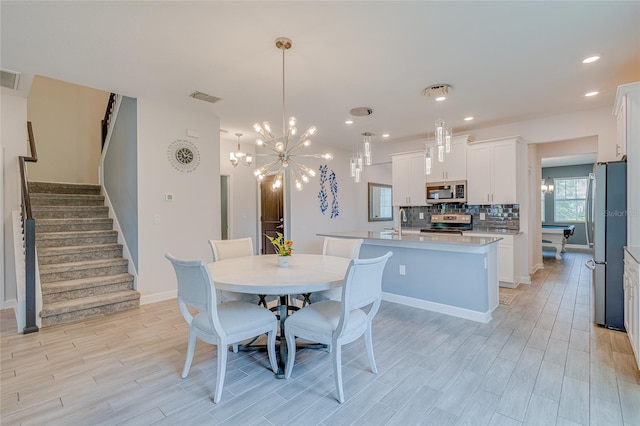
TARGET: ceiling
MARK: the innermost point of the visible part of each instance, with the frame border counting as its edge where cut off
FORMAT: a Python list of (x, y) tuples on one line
[(505, 61)]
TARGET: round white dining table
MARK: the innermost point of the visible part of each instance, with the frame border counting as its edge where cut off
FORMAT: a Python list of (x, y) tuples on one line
[(306, 273)]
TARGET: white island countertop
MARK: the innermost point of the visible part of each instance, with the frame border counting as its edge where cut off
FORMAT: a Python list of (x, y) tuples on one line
[(424, 241)]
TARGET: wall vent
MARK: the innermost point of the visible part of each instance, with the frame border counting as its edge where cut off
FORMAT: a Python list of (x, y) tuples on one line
[(204, 97), (9, 79)]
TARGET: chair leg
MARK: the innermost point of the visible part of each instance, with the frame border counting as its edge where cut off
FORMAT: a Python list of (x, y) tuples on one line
[(271, 348), (191, 347), (369, 344), (235, 348), (291, 357), (222, 368), (337, 370)]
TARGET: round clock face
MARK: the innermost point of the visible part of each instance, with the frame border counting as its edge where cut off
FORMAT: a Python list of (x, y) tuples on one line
[(183, 155)]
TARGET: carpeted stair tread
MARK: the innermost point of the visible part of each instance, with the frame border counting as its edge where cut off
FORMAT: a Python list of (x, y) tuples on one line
[(63, 188), (62, 212), (51, 251), (70, 234), (66, 306), (83, 283), (41, 199), (74, 224), (67, 254), (78, 266)]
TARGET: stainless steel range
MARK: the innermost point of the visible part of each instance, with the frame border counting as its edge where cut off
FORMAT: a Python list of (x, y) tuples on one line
[(449, 224)]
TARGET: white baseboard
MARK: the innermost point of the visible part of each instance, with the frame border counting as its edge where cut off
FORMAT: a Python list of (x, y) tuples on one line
[(524, 279), (483, 317), (158, 297), (578, 247), (537, 267)]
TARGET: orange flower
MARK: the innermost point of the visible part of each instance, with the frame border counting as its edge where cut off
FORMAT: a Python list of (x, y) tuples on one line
[(283, 247)]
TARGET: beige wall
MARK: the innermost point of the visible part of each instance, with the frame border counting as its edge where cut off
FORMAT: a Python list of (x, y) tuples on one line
[(66, 125)]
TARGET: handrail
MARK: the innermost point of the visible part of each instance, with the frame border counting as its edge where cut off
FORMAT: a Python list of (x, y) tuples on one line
[(29, 229), (26, 201), (107, 117)]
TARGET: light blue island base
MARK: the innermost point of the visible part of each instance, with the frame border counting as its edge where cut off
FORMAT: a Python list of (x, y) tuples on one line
[(454, 275)]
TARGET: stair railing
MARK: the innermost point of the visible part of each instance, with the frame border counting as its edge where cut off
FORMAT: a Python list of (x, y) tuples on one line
[(29, 231), (107, 117)]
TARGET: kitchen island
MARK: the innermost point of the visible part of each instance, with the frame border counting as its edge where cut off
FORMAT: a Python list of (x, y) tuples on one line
[(451, 274)]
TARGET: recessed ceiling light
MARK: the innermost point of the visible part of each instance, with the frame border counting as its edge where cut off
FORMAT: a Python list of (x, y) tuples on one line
[(441, 98), (590, 59), (348, 122), (385, 135), (589, 94), (468, 118)]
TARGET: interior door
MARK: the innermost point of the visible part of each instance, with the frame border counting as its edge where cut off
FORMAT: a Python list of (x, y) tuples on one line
[(272, 213)]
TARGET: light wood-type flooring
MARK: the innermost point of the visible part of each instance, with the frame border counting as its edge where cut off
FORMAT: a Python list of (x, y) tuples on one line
[(541, 361)]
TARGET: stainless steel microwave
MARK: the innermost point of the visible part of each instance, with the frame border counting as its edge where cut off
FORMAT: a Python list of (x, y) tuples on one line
[(447, 192)]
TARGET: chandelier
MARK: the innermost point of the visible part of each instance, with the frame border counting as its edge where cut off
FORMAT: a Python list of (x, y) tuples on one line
[(547, 186), (359, 159), (237, 156), (442, 134), (285, 149)]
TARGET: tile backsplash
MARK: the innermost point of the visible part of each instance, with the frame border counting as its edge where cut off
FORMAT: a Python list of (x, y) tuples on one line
[(496, 216)]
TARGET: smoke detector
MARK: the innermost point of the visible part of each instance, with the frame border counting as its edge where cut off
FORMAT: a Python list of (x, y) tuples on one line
[(204, 97), (437, 91), (361, 111)]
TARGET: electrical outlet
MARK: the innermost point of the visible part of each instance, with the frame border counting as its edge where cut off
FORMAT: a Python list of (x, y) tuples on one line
[(421, 215), (156, 219), (402, 270), (482, 216)]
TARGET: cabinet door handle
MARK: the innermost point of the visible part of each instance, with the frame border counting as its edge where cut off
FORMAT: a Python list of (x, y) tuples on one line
[(491, 197), (488, 197)]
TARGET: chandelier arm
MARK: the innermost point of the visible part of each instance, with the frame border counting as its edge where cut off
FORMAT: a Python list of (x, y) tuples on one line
[(286, 142)]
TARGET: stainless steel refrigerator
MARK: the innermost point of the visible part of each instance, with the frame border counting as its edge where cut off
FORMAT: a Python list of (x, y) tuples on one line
[(607, 235)]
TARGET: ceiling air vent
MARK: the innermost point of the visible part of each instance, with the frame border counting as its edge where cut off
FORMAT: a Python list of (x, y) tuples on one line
[(361, 111), (9, 79), (204, 97)]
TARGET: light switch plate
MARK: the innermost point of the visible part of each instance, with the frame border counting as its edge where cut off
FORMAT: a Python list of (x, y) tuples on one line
[(168, 196), (483, 216), (421, 215)]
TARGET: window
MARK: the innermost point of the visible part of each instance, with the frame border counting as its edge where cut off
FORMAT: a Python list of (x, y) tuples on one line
[(570, 197)]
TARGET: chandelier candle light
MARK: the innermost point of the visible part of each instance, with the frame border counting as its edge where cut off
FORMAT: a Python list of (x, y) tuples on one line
[(359, 159), (443, 133), (237, 156), (285, 148)]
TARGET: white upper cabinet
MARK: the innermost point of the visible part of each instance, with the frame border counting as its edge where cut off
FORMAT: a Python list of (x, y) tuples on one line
[(454, 166), (408, 179), (496, 171)]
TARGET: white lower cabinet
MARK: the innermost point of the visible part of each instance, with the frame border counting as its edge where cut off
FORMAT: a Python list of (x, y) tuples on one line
[(632, 301), (509, 273)]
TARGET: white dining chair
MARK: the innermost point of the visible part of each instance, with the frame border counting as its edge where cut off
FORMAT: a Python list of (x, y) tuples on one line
[(341, 247), (218, 324), (227, 249), (337, 323)]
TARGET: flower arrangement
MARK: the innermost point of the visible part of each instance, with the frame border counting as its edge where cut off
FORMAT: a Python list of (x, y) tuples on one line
[(283, 247)]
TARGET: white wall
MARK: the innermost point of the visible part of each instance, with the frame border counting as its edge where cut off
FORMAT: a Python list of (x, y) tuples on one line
[(243, 194), (13, 142), (66, 122), (182, 226), (306, 218)]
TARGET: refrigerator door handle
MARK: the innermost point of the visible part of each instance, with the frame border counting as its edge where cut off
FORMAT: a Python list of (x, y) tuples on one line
[(589, 211), (591, 264)]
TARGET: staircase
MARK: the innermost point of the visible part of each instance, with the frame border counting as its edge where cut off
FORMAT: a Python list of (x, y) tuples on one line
[(82, 272)]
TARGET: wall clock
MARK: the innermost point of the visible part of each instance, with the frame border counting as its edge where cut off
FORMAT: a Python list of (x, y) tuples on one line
[(183, 155)]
